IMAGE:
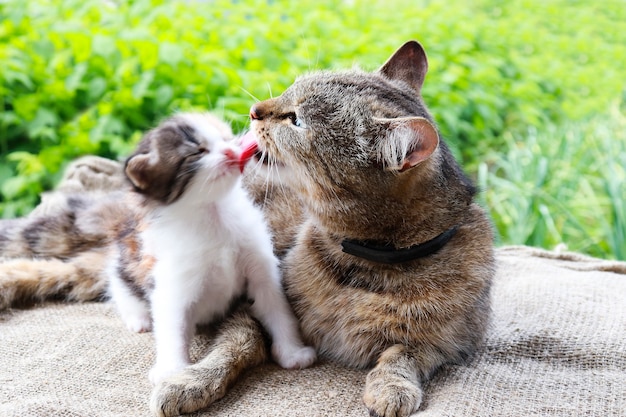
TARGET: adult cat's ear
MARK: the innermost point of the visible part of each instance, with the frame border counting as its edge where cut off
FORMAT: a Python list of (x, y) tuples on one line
[(136, 170), (408, 142), (408, 64)]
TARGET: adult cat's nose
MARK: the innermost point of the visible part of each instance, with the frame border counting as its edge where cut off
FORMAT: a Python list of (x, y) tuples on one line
[(254, 113)]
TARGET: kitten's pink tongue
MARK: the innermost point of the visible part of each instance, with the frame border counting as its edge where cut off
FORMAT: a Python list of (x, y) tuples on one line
[(249, 147)]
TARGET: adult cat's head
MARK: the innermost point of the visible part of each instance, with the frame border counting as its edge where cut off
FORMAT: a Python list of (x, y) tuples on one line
[(361, 148), (187, 150)]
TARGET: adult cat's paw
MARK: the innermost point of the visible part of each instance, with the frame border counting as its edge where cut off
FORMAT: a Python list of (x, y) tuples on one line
[(293, 357), (389, 395), (188, 391)]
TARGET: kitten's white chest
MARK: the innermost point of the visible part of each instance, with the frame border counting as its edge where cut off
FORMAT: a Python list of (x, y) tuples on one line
[(196, 263)]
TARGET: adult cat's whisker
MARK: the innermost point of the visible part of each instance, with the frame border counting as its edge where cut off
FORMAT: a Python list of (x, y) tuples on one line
[(269, 89), (259, 159), (255, 98), (274, 166), (263, 157)]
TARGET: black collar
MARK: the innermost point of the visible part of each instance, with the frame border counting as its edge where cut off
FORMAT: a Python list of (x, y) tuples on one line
[(387, 254)]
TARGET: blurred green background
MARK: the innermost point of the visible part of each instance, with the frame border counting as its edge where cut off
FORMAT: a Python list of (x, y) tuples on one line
[(531, 95)]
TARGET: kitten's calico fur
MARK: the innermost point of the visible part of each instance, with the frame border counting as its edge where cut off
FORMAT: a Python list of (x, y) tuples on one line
[(355, 158), (362, 154), (184, 246), (198, 245)]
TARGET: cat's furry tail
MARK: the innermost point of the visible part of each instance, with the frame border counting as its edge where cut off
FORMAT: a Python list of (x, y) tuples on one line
[(29, 280)]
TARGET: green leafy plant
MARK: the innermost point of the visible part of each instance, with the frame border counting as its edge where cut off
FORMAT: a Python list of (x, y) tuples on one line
[(563, 185), (89, 77)]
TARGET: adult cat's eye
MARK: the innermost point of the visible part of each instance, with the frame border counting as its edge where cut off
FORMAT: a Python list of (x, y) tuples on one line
[(296, 121)]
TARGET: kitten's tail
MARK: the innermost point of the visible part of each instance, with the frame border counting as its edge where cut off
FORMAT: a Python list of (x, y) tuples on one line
[(27, 280)]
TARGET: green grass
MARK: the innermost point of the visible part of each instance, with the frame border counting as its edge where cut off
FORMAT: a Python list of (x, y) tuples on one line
[(563, 185)]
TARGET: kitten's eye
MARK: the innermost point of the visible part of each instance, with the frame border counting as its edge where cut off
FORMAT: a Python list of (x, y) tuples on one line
[(188, 134), (297, 121)]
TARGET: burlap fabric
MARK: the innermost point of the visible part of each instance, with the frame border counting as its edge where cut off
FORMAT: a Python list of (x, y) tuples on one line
[(557, 347)]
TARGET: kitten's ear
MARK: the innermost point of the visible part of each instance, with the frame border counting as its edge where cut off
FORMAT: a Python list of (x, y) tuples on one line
[(136, 169), (409, 141), (408, 64)]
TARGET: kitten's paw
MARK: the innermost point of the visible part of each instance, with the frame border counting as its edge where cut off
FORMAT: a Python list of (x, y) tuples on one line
[(388, 395), (138, 324), (188, 391), (293, 357)]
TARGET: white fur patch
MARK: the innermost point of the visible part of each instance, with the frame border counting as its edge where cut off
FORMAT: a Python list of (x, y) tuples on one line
[(392, 151)]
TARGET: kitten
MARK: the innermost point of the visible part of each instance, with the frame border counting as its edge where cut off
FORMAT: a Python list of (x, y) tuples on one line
[(197, 245), (386, 259), (177, 244)]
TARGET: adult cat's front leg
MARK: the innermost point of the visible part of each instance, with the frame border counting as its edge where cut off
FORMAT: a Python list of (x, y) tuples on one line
[(239, 345), (393, 387)]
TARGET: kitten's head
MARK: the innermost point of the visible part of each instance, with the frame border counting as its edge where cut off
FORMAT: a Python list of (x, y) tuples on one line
[(188, 150), (351, 138)]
